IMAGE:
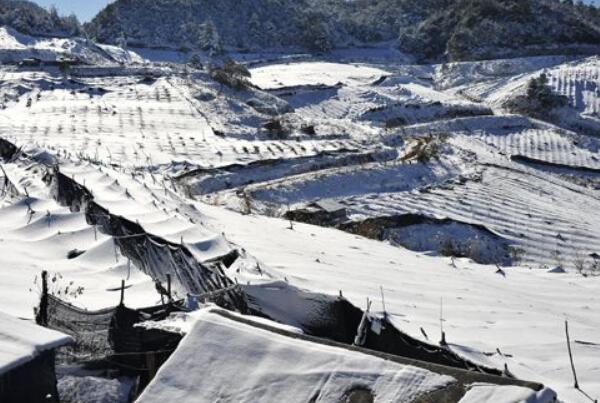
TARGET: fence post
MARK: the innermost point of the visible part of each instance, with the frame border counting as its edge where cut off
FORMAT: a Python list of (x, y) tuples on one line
[(42, 318), (122, 292), (169, 287), (382, 302), (571, 354), (443, 342)]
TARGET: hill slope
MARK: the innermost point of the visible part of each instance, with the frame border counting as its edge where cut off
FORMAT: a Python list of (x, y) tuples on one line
[(481, 29), (29, 18), (457, 29)]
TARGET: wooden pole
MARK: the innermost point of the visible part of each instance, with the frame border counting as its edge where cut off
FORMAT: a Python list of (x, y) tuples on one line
[(122, 292), (443, 341), (169, 287), (45, 283), (43, 314), (571, 354)]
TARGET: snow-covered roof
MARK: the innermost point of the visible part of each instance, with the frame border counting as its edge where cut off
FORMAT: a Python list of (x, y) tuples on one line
[(224, 360), (21, 341), (183, 322), (479, 393), (328, 205)]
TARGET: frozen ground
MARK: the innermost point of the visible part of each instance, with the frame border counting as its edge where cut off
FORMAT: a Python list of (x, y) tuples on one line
[(427, 140)]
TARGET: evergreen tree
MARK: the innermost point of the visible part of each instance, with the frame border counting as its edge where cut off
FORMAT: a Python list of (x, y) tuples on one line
[(210, 40), (256, 29), (316, 36), (270, 33), (539, 100)]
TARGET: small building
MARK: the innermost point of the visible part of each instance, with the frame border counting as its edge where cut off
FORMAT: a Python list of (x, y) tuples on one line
[(68, 61), (27, 353), (31, 62), (325, 212)]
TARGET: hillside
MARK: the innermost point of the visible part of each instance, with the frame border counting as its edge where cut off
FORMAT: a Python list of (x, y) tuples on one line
[(452, 187), (187, 24), (29, 18), (16, 47), (342, 226), (433, 29), (484, 29)]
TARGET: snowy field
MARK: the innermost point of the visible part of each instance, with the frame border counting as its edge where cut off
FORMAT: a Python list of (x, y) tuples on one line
[(190, 161), (311, 73)]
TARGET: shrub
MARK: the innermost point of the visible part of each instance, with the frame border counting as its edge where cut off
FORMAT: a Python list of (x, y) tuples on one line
[(231, 74), (539, 100), (277, 128)]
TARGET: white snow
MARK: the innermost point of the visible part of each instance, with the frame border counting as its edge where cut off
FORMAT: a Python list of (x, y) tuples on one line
[(313, 73), (223, 360), (183, 322), (21, 341), (151, 129), (41, 241), (482, 393), (15, 47), (91, 389), (522, 315)]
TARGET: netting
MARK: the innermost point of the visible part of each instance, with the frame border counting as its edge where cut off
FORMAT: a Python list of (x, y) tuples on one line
[(151, 254), (105, 334), (90, 329)]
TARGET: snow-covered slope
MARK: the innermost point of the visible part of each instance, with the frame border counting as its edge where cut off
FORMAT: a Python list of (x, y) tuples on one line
[(170, 150), (578, 81), (16, 47), (516, 319), (38, 234)]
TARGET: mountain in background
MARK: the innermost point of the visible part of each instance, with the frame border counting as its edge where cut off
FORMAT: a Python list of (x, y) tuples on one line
[(434, 30), (483, 29), (29, 18)]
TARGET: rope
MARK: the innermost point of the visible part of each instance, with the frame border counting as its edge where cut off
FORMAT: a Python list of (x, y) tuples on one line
[(216, 293), (128, 236), (131, 367), (142, 353)]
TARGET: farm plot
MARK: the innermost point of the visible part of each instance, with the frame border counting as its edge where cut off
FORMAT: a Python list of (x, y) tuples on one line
[(127, 122), (37, 234), (547, 220), (578, 82)]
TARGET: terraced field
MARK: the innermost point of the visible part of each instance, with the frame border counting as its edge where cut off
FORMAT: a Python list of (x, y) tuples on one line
[(503, 199), (178, 174), (578, 81), (133, 124)]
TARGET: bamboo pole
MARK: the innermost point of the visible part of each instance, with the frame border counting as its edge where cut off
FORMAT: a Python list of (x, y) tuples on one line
[(571, 354)]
